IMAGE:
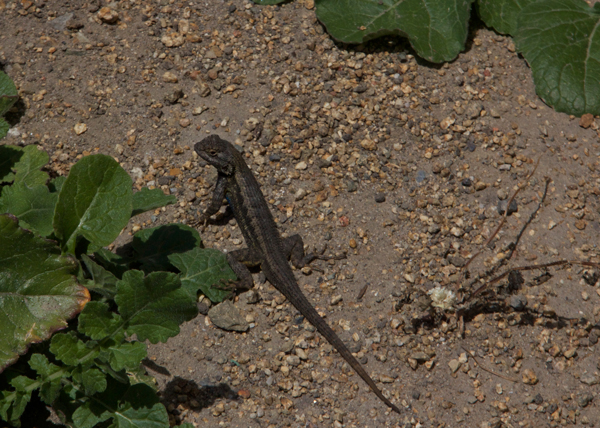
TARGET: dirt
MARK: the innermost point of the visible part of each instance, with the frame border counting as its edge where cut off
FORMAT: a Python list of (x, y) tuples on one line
[(363, 149)]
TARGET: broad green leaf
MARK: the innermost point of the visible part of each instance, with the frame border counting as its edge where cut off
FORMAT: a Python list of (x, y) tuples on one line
[(98, 322), (146, 200), (112, 262), (85, 417), (94, 202), (203, 268), (9, 156), (103, 281), (49, 375), (561, 42), (27, 167), (13, 403), (152, 247), (436, 29), (127, 355), (32, 205), (92, 380), (72, 351), (147, 417), (8, 93), (56, 184), (4, 127), (501, 14), (153, 306), (38, 290), (129, 406)]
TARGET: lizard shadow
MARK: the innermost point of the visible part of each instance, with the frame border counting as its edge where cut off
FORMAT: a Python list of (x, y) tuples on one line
[(198, 396)]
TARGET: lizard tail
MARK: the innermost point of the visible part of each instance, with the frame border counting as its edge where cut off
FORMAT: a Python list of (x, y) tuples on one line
[(309, 312)]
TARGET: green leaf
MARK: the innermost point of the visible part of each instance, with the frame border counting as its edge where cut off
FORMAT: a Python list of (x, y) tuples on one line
[(13, 403), (27, 168), (8, 93), (9, 156), (129, 406), (501, 14), (94, 202), (561, 42), (4, 127), (103, 281), (153, 306), (72, 351), (92, 380), (153, 246), (112, 262), (85, 417), (436, 29), (127, 355), (49, 375), (147, 417), (146, 200), (56, 184), (32, 205), (201, 269), (98, 322), (38, 290)]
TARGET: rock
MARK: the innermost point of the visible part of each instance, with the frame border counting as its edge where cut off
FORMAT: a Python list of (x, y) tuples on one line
[(454, 365), (586, 120), (60, 23), (529, 377), (170, 77), (589, 379), (108, 15), (228, 317), (80, 128), (474, 110), (172, 39), (368, 144), (518, 302)]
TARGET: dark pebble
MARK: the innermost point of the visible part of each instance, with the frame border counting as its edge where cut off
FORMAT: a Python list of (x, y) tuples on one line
[(323, 163), (585, 399), (274, 157), (518, 302), (421, 176), (232, 8), (416, 395), (512, 208), (471, 146), (467, 182), (538, 399), (202, 308), (165, 181), (379, 198), (360, 88), (351, 186)]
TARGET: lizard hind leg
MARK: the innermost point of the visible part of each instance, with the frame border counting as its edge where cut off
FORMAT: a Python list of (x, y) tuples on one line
[(240, 261), (293, 247)]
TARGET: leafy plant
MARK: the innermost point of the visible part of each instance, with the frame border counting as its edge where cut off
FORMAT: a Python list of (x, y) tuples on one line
[(8, 96), (556, 37), (53, 266)]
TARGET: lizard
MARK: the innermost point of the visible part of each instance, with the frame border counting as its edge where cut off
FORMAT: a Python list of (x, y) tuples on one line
[(266, 248)]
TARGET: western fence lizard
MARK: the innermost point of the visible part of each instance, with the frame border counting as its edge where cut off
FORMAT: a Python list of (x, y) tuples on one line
[(266, 248)]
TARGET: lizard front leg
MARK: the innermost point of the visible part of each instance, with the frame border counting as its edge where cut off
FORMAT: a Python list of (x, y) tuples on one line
[(215, 203)]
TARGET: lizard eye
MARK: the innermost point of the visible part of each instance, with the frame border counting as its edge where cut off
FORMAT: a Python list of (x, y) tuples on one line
[(212, 152)]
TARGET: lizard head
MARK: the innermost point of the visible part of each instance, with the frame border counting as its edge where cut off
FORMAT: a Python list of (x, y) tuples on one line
[(217, 152)]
